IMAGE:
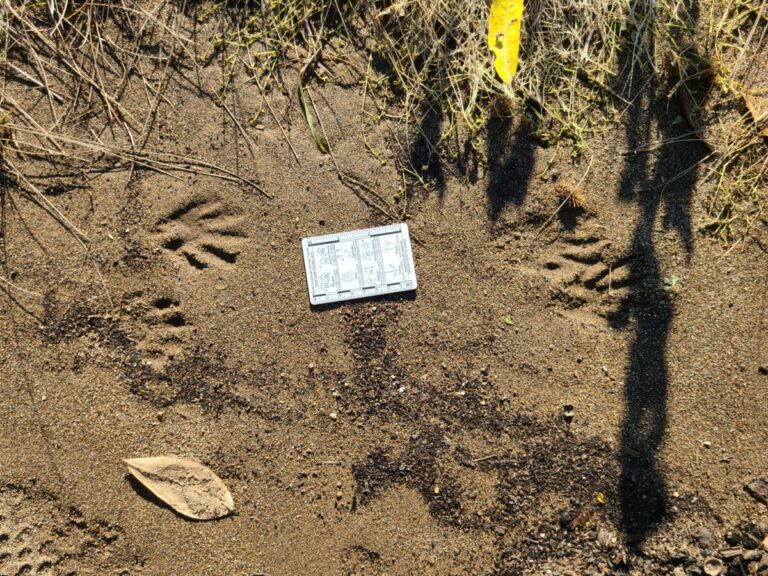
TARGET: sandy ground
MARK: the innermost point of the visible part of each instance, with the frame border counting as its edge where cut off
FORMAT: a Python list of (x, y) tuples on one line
[(186, 330)]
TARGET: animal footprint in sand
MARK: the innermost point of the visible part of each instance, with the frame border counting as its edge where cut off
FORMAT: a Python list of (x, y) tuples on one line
[(361, 560), (579, 270), (40, 537), (25, 543), (168, 333), (202, 233)]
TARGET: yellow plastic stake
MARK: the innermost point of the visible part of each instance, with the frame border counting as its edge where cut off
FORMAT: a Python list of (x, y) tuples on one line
[(504, 36)]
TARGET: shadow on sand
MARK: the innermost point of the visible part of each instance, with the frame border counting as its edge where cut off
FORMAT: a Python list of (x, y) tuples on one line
[(663, 182)]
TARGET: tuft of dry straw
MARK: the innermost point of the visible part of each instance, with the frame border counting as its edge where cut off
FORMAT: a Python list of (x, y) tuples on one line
[(572, 196)]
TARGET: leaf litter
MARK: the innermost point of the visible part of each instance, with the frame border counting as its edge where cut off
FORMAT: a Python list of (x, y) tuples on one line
[(189, 488)]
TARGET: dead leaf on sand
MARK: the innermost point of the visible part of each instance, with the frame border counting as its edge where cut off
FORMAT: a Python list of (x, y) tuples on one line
[(758, 109), (189, 488)]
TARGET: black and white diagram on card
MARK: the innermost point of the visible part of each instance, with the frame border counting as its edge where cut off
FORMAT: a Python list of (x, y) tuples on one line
[(359, 264)]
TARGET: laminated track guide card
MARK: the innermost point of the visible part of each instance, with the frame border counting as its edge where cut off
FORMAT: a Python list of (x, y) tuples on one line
[(359, 264)]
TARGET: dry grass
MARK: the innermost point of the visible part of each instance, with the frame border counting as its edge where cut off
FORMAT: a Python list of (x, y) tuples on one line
[(571, 196), (584, 63), (718, 59), (737, 41), (69, 69)]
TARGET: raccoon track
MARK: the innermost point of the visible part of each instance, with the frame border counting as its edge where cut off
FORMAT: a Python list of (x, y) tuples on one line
[(202, 233), (583, 271)]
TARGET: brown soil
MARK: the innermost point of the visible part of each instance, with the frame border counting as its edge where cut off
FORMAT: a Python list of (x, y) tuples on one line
[(449, 453)]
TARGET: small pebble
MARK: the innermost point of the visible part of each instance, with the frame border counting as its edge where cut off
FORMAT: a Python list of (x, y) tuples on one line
[(704, 537), (568, 413), (604, 537), (713, 567), (333, 416), (752, 555)]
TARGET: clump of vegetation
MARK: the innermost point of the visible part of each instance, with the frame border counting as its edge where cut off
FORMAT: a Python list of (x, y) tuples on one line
[(571, 196), (71, 71), (671, 282), (435, 55), (719, 57)]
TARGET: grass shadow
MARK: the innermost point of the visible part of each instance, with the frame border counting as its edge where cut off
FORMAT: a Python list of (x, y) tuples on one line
[(424, 152), (664, 182), (511, 158)]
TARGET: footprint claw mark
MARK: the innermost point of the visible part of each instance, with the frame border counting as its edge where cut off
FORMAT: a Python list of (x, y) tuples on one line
[(588, 253), (167, 333), (180, 212), (582, 272), (221, 253), (592, 276), (618, 278), (226, 227), (202, 233), (212, 210), (194, 260)]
